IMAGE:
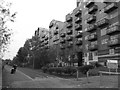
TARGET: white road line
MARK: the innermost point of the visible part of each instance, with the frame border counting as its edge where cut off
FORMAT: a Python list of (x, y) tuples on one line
[(25, 75)]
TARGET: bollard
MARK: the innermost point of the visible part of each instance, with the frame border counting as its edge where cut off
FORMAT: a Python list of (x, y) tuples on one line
[(87, 77), (77, 75)]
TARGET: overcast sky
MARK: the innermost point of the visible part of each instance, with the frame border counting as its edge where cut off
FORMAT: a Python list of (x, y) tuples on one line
[(33, 14)]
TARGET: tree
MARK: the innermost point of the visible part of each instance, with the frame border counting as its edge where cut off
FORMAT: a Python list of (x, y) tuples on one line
[(5, 32)]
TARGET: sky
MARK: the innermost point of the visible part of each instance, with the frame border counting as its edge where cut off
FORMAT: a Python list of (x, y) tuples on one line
[(32, 14)]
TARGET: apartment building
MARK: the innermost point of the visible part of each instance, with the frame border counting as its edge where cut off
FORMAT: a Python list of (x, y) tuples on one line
[(101, 31), (54, 37)]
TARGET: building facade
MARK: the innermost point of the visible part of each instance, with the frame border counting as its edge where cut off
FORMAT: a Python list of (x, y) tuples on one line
[(101, 31)]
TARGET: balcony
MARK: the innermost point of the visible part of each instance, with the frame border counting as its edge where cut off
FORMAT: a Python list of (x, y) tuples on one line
[(46, 43), (79, 42), (70, 44), (93, 9), (68, 19), (91, 19), (78, 35), (62, 34), (46, 38), (92, 47), (69, 32), (89, 4), (115, 42), (92, 37), (78, 19), (51, 24), (69, 25), (55, 32), (91, 27), (111, 7), (62, 46), (102, 23), (78, 27), (78, 13), (112, 30), (69, 38), (62, 41)]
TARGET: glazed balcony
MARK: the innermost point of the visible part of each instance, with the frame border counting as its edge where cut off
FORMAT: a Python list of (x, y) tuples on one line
[(112, 30), (78, 35), (62, 41), (62, 34), (78, 27), (78, 20), (93, 47), (69, 25), (69, 32), (69, 38), (68, 19), (110, 7), (102, 23), (90, 4), (79, 42), (92, 37), (91, 27), (115, 42), (93, 9), (78, 13), (91, 19)]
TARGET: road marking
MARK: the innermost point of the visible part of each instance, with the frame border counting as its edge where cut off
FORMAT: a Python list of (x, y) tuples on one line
[(25, 75)]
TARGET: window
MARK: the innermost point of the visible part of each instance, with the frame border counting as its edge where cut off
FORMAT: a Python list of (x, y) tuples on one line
[(111, 51), (103, 31), (104, 41)]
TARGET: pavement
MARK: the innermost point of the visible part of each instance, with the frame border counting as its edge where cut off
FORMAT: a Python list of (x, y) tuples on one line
[(21, 80)]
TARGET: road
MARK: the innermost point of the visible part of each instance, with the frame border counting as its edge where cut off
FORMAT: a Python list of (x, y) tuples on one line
[(30, 78)]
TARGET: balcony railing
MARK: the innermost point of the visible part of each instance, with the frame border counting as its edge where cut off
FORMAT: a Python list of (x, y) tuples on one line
[(78, 12), (69, 38), (91, 19), (69, 25), (62, 41), (78, 19), (110, 7), (91, 27), (92, 37), (62, 34), (102, 23), (113, 29), (68, 19), (78, 27), (79, 42), (78, 35), (93, 9), (114, 42), (46, 38), (93, 47), (89, 4), (69, 32)]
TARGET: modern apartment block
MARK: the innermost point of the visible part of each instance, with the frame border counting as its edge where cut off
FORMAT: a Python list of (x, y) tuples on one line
[(54, 37), (101, 31)]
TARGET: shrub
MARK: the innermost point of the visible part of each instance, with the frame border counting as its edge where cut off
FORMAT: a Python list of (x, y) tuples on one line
[(44, 69), (93, 72), (85, 68), (51, 69)]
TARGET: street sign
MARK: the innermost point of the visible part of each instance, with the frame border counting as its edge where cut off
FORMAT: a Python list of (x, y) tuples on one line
[(112, 64)]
